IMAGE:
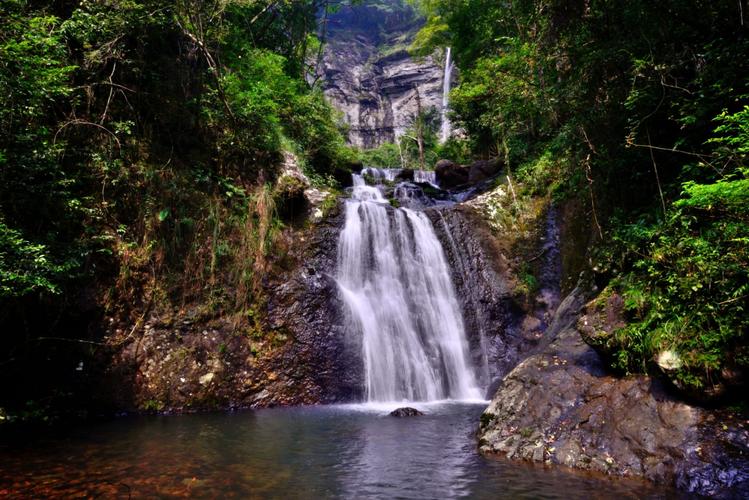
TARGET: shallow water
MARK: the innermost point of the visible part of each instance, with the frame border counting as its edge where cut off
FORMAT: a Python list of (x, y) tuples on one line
[(346, 451)]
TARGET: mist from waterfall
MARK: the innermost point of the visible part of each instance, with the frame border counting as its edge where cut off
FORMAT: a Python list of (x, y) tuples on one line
[(446, 127), (400, 301)]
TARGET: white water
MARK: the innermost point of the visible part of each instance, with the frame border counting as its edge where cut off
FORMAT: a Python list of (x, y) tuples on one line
[(446, 128), (380, 174), (390, 174), (400, 300), (426, 176)]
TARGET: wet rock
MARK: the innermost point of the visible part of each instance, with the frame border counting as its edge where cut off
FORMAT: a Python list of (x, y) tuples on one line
[(562, 401), (411, 196), (405, 412)]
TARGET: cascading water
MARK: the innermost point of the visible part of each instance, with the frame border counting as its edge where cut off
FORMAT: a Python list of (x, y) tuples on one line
[(446, 127), (395, 283), (425, 176), (379, 174)]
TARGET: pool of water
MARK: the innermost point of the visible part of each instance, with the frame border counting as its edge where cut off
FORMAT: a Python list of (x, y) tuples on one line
[(343, 451)]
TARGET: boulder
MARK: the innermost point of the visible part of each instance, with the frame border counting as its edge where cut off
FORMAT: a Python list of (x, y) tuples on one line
[(482, 170), (450, 174), (406, 175), (288, 194), (405, 412), (602, 317)]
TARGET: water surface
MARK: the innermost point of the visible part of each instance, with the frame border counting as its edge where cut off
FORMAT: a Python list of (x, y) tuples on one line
[(309, 452)]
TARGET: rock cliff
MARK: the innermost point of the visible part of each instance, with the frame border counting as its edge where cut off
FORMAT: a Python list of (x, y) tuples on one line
[(368, 75)]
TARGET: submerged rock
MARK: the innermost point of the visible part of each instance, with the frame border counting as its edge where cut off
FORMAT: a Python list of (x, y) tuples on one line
[(405, 412)]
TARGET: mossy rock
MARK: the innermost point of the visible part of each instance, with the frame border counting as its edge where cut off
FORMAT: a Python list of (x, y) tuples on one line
[(602, 317), (288, 195)]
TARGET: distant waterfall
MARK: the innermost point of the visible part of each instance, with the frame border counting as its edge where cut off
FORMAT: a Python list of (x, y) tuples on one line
[(395, 283), (446, 128)]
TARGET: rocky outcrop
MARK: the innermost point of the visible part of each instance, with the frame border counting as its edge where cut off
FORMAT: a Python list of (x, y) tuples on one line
[(369, 76), (559, 406), (451, 175), (291, 349), (484, 284)]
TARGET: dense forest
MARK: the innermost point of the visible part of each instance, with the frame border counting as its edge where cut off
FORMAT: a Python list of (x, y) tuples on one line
[(139, 148), (642, 110), (142, 141)]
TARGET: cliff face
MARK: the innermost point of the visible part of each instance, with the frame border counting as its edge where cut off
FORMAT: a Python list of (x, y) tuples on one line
[(369, 76)]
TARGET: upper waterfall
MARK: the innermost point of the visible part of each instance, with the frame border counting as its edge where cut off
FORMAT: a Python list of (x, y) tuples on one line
[(399, 298), (446, 127)]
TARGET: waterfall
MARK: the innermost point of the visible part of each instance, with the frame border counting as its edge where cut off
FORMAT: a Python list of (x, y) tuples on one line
[(426, 176), (388, 174), (400, 301), (445, 129)]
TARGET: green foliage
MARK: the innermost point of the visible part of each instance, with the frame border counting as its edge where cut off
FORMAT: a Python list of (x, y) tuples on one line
[(405, 154), (139, 141), (687, 293), (25, 267), (455, 149), (387, 155), (686, 279), (640, 108)]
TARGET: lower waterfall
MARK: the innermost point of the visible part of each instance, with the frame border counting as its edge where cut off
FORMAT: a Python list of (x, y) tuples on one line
[(400, 300)]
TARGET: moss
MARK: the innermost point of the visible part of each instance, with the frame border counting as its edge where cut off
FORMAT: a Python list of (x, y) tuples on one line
[(487, 419), (329, 204), (153, 405)]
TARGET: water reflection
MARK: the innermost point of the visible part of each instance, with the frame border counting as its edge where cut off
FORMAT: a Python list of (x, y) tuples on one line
[(325, 452), (415, 457)]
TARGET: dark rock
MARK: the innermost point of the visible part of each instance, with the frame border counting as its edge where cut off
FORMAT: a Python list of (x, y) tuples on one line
[(405, 412), (296, 353), (289, 198), (411, 196), (451, 175), (502, 327), (343, 175), (602, 317), (406, 174), (482, 170)]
